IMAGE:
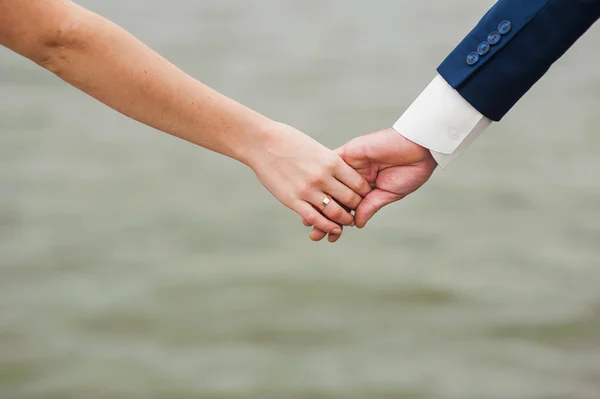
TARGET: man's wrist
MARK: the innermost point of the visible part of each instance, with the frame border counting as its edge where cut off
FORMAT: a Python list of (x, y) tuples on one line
[(442, 121)]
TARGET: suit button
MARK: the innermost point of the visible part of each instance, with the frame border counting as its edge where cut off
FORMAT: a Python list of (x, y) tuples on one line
[(504, 27), (483, 48), (472, 58), (494, 38)]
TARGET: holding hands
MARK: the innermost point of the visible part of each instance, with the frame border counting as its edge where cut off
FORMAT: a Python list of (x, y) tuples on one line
[(322, 186), (308, 178), (393, 165)]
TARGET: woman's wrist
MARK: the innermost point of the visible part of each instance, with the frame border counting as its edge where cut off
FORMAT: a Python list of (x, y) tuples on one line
[(257, 141)]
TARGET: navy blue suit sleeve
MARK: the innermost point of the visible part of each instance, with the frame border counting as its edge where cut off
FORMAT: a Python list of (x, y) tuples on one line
[(512, 47)]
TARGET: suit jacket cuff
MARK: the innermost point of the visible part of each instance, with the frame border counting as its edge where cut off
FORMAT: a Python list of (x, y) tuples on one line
[(512, 47)]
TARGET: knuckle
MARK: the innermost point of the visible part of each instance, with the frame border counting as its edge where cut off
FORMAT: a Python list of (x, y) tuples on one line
[(364, 187), (332, 162), (323, 223), (316, 179), (311, 218), (304, 189), (336, 213), (352, 200)]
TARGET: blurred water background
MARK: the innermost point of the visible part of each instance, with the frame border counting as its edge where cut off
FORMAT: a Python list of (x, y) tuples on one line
[(135, 265)]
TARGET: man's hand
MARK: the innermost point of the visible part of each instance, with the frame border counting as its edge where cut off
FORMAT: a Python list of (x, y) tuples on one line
[(300, 172), (392, 164)]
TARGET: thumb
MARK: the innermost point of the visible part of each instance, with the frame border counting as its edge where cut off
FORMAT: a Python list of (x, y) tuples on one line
[(353, 154), (371, 204), (350, 150)]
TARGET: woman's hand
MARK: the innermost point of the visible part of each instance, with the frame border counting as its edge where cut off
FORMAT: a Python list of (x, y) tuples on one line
[(394, 165), (301, 173), (97, 56)]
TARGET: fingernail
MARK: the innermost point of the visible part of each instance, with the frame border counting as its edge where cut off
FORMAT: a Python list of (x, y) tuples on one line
[(337, 231)]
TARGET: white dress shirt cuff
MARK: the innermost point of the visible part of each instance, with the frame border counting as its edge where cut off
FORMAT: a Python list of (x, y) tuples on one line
[(442, 121)]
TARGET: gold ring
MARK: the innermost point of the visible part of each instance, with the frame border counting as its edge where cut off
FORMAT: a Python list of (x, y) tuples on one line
[(325, 202)]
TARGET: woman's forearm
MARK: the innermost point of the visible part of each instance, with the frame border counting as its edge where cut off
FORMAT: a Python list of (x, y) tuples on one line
[(103, 60)]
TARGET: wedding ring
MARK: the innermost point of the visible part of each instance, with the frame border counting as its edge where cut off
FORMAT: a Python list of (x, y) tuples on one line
[(325, 202)]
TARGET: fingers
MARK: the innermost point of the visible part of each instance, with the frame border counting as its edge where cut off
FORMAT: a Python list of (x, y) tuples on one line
[(316, 234), (352, 179), (332, 210), (314, 218), (346, 192), (371, 204), (333, 237), (343, 195), (352, 201)]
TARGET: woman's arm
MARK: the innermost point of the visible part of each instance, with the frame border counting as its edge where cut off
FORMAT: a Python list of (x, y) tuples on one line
[(106, 62)]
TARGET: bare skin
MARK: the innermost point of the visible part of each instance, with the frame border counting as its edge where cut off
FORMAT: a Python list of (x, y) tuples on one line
[(394, 165), (104, 61)]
